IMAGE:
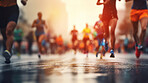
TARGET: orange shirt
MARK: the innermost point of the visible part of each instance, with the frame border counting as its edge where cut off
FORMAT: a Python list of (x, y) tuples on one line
[(59, 40), (81, 45), (7, 3)]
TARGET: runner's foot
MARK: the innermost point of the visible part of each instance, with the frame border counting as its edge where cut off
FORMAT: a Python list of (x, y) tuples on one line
[(39, 56), (112, 54), (7, 56), (137, 52)]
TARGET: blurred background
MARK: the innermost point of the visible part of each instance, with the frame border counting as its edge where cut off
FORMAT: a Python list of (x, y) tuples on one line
[(61, 15)]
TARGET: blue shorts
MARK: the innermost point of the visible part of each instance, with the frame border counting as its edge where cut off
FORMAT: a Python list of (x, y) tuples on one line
[(38, 33), (8, 14), (101, 42)]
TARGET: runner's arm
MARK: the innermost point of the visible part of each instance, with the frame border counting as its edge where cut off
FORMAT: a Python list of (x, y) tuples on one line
[(98, 3), (34, 24), (45, 25), (24, 2), (95, 25)]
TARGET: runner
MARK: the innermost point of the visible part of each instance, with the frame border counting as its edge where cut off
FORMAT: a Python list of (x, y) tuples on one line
[(9, 13), (74, 34), (40, 25), (18, 36), (139, 13), (30, 39), (86, 32), (98, 27), (60, 44), (81, 45), (99, 37), (109, 18)]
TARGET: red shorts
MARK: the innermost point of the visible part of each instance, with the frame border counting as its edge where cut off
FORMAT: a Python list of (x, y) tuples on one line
[(136, 15)]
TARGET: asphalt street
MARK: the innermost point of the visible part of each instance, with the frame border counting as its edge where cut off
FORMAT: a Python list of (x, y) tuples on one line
[(70, 68)]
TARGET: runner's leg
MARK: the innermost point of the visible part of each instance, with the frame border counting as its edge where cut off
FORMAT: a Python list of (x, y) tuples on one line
[(113, 24), (135, 31), (144, 22)]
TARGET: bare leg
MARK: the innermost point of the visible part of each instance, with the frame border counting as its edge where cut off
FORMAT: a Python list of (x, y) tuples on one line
[(106, 30), (144, 22), (135, 28), (8, 35), (113, 24), (40, 47)]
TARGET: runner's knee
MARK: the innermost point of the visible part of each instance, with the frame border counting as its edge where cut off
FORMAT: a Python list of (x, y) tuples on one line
[(143, 30), (135, 32), (10, 27), (9, 32)]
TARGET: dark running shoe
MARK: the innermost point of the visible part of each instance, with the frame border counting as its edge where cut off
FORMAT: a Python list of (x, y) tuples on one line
[(7, 56), (39, 56), (112, 54)]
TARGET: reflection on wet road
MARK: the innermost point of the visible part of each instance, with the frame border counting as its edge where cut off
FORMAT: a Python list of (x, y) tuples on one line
[(69, 68)]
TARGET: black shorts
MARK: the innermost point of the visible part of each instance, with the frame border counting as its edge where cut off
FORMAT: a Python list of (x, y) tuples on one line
[(8, 14), (18, 41)]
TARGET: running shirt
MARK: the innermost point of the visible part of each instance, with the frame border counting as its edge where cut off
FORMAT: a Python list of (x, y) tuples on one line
[(7, 3), (86, 32), (40, 28), (99, 27), (109, 11), (74, 34), (139, 4), (41, 23), (18, 34), (110, 7), (59, 41)]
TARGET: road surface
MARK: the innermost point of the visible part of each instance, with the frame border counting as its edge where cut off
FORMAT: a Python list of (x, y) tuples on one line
[(70, 68)]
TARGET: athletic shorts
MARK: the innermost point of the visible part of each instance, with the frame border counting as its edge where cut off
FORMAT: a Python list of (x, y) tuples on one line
[(8, 14), (136, 15), (85, 39), (18, 41), (74, 39), (37, 34), (107, 16)]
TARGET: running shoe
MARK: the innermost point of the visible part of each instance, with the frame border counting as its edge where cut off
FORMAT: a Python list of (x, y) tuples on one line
[(7, 56), (39, 56), (137, 52), (101, 56), (97, 54), (140, 48), (112, 54)]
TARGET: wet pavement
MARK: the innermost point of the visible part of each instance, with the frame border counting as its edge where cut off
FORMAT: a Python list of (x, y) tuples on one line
[(70, 68)]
